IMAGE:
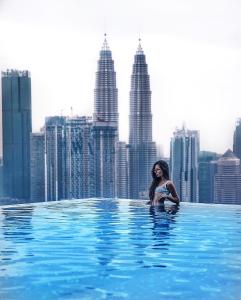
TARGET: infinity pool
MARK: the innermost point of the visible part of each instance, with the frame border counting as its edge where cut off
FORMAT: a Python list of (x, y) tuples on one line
[(120, 249)]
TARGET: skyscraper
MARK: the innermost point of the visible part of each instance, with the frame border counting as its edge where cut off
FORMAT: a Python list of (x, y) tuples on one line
[(122, 170), (55, 158), (213, 171), (237, 139), (37, 167), (1, 177), (105, 125), (142, 150), (184, 163), (69, 158), (227, 183), (106, 93), (79, 158), (17, 126), (206, 176)]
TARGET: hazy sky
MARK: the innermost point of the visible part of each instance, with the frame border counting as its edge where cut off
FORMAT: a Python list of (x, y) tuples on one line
[(192, 47)]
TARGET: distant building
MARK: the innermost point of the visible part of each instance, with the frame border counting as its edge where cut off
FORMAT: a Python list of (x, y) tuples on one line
[(159, 152), (104, 150), (55, 158), (37, 167), (184, 163), (122, 170), (237, 139), (213, 171), (16, 126), (227, 183), (206, 175), (79, 158), (105, 125), (69, 158), (1, 177), (142, 150)]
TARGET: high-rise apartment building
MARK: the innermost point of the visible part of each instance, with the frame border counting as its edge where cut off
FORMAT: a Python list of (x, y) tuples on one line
[(227, 183), (37, 167), (55, 156), (237, 139), (142, 150), (105, 125), (69, 158), (79, 158), (184, 163), (16, 126)]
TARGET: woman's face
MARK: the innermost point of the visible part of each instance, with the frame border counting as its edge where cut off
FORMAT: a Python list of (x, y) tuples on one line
[(158, 171)]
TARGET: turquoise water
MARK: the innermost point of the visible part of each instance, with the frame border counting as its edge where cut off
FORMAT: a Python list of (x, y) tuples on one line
[(120, 249)]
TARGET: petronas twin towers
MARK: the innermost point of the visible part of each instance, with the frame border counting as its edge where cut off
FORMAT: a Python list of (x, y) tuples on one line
[(117, 165), (80, 157)]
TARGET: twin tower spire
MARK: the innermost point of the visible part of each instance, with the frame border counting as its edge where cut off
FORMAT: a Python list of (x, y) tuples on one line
[(140, 153), (106, 95)]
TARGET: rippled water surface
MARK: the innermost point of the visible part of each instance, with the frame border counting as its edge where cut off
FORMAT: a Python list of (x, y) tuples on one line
[(120, 249)]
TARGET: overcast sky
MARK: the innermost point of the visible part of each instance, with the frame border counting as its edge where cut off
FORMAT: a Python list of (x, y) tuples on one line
[(192, 47)]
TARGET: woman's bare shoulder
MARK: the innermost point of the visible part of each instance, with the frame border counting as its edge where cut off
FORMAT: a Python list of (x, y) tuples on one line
[(170, 183)]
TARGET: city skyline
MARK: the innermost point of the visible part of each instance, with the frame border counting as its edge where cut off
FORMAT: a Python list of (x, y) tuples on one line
[(193, 53)]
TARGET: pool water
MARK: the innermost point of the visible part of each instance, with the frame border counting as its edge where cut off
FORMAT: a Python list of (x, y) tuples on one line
[(120, 249)]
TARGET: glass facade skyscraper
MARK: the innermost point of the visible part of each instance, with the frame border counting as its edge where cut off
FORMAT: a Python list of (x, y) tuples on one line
[(55, 157), (142, 150), (105, 125), (79, 158), (206, 175), (122, 170), (237, 139), (69, 158), (184, 163), (37, 167), (17, 126)]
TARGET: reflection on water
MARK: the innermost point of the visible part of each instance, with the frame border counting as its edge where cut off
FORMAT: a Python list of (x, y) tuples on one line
[(17, 224), (16, 230), (162, 217), (106, 234), (118, 249)]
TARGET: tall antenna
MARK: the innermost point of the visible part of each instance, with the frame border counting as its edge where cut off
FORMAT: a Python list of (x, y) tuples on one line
[(105, 46)]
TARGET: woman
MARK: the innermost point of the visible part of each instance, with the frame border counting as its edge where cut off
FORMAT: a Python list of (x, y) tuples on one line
[(162, 188)]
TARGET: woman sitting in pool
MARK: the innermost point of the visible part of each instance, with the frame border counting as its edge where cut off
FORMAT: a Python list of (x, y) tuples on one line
[(162, 188)]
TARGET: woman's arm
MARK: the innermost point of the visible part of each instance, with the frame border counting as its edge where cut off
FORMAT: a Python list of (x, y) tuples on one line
[(174, 196)]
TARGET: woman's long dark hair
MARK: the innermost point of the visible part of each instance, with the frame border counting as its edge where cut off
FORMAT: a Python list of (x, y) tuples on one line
[(165, 170)]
